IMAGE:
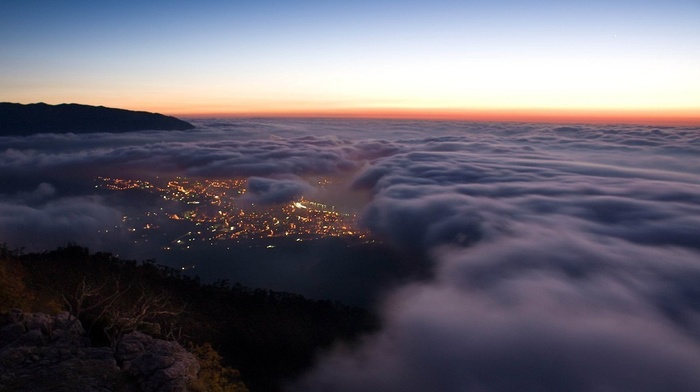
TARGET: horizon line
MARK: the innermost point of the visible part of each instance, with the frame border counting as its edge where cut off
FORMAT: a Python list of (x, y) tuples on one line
[(628, 116)]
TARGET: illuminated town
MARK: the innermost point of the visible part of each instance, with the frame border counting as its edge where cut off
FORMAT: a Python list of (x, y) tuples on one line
[(218, 212)]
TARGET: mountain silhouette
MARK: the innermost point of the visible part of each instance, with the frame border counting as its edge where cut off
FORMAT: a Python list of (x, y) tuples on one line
[(19, 119)]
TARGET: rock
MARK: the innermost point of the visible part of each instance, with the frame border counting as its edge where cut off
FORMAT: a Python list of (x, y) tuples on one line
[(100, 353), (11, 333), (32, 338), (158, 365), (65, 322), (38, 321), (14, 316), (43, 353)]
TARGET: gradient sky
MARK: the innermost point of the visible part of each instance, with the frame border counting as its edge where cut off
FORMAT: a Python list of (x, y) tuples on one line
[(381, 57)]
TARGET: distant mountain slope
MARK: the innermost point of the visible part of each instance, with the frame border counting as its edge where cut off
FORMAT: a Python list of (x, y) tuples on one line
[(18, 119)]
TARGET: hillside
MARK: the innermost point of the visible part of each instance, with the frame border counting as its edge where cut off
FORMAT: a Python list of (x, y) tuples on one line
[(270, 337), (18, 119)]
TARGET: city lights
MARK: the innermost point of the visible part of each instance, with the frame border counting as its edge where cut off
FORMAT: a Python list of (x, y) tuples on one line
[(217, 206)]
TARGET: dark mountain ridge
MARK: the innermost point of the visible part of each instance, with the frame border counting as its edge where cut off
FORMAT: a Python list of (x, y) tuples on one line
[(18, 119)]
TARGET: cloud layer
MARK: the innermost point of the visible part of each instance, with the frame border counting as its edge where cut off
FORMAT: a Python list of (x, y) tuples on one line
[(557, 258), (37, 220), (563, 259)]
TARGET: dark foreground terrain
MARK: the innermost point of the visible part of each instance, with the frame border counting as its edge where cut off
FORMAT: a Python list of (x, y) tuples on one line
[(270, 337)]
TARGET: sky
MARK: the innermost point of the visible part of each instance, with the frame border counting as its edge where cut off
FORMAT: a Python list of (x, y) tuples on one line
[(566, 60)]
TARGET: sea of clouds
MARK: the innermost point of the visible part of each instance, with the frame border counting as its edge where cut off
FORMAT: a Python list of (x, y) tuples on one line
[(557, 258)]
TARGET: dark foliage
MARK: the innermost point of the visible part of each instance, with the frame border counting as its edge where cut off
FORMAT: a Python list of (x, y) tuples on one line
[(271, 337)]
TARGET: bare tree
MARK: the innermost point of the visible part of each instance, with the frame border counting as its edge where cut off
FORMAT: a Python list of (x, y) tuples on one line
[(146, 310), (79, 302), (121, 311)]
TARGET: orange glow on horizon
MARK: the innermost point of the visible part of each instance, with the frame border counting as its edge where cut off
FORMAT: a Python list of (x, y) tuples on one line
[(687, 117), (667, 116)]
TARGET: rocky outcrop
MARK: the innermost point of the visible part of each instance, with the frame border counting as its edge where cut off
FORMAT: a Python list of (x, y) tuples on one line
[(156, 365), (18, 119), (50, 353), (43, 353)]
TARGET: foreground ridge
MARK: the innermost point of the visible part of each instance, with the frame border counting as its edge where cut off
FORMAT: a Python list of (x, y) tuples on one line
[(38, 350)]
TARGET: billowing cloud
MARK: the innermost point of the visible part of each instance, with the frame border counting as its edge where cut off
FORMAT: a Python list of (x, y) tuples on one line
[(43, 191), (56, 222), (274, 191), (195, 155), (551, 258), (563, 259), (535, 311)]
